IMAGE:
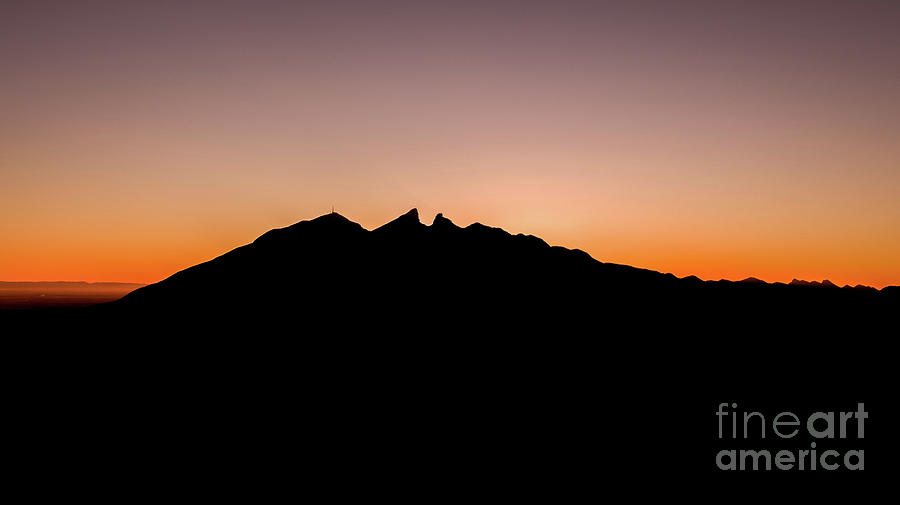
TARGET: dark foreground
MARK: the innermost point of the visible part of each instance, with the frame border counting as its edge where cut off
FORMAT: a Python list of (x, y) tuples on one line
[(432, 361)]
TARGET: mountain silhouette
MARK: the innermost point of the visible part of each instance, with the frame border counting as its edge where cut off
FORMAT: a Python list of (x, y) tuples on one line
[(824, 284), (332, 271), (451, 356)]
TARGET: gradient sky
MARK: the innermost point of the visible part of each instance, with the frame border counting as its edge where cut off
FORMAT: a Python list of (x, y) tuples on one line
[(722, 139)]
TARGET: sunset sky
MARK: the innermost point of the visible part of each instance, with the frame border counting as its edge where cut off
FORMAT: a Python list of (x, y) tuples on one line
[(722, 139)]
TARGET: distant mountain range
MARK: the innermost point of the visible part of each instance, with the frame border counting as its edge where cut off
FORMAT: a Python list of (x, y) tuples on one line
[(828, 284), (14, 295)]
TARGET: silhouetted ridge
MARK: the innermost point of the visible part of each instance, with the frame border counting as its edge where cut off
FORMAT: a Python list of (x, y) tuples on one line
[(326, 223), (406, 222), (815, 284), (859, 287), (332, 217), (329, 265), (441, 222)]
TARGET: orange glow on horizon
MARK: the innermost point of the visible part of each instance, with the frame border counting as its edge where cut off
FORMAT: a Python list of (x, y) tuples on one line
[(148, 261)]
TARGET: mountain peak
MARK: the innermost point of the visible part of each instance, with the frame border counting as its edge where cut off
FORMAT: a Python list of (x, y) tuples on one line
[(406, 221), (441, 222), (331, 217), (413, 213)]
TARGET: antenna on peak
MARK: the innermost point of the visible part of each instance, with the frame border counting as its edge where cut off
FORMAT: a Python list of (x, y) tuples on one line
[(332, 208)]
